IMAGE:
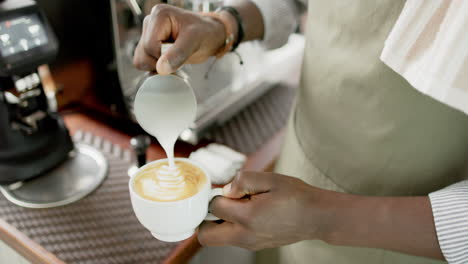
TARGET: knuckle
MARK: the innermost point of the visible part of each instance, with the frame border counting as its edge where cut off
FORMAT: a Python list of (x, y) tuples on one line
[(135, 61), (151, 49), (138, 63), (235, 184), (193, 29), (241, 179), (146, 20), (143, 67), (148, 48), (247, 217), (160, 9), (203, 238), (240, 183)]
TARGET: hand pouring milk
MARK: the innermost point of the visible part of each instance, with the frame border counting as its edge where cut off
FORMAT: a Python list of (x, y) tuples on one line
[(165, 105)]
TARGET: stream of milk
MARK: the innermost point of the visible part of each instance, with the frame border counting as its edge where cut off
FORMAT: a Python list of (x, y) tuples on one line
[(165, 106)]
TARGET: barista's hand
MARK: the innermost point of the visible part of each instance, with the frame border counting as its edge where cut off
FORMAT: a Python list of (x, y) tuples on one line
[(195, 38), (265, 210)]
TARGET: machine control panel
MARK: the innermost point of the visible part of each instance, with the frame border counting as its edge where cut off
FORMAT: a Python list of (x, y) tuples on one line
[(26, 38), (21, 34)]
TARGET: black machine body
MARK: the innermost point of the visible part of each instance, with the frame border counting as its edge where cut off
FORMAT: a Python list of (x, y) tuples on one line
[(33, 138)]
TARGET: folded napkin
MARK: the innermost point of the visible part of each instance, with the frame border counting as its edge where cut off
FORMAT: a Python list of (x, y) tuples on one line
[(221, 162)]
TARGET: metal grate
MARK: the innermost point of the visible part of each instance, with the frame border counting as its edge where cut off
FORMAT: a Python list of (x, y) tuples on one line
[(101, 228), (250, 128)]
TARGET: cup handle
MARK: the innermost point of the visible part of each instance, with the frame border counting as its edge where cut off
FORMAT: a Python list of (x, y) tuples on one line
[(214, 192)]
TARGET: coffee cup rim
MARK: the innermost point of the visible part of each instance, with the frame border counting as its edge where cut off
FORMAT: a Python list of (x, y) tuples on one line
[(132, 179)]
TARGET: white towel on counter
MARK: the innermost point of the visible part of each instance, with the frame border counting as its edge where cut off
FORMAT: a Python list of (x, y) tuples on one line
[(237, 158), (221, 162), (428, 46)]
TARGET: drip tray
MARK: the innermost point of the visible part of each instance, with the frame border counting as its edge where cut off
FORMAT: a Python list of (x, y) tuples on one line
[(82, 173)]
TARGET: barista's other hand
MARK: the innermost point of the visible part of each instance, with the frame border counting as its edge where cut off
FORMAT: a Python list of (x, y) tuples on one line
[(195, 38), (264, 210)]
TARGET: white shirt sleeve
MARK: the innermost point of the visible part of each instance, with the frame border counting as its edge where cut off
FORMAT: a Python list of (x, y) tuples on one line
[(280, 19), (428, 47), (450, 209)]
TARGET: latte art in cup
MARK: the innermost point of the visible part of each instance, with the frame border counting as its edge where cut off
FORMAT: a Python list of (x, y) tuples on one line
[(171, 204), (160, 182)]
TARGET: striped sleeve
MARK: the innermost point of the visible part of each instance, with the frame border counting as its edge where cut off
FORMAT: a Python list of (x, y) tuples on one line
[(450, 210)]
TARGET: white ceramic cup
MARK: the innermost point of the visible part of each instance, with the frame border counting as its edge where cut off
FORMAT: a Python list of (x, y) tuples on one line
[(177, 220)]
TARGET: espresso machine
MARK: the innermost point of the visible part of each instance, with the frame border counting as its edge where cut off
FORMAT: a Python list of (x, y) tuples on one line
[(223, 87), (39, 164)]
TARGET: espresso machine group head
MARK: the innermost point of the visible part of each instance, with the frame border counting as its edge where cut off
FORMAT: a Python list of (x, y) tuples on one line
[(33, 138)]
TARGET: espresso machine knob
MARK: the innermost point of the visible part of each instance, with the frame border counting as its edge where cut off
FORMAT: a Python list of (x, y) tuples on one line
[(140, 145)]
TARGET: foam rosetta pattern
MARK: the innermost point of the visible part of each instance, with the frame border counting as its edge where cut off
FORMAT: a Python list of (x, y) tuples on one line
[(160, 182)]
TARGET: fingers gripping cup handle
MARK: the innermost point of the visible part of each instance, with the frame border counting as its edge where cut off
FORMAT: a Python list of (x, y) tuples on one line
[(214, 192)]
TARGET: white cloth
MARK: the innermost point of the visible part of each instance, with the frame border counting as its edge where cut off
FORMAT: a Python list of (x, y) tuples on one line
[(428, 46), (221, 162)]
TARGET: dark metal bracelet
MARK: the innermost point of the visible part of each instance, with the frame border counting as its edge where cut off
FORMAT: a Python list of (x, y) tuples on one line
[(240, 26)]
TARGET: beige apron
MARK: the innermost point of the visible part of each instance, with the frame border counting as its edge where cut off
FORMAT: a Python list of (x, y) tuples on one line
[(359, 127)]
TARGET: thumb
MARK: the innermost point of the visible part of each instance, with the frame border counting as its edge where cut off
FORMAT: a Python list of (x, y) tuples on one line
[(185, 46), (249, 183)]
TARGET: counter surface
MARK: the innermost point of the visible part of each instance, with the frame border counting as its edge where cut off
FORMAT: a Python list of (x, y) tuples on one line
[(262, 159)]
